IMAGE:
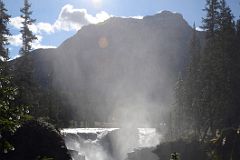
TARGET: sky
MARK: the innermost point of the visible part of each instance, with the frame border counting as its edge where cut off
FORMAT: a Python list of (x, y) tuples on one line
[(57, 20)]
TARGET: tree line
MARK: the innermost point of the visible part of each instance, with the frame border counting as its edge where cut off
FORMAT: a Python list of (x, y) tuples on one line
[(207, 90), (13, 113), (40, 101)]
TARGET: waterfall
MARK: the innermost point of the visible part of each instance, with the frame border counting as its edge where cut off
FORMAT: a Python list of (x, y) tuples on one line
[(108, 143)]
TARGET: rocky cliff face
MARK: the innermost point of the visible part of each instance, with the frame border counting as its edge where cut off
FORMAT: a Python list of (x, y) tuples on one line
[(122, 64)]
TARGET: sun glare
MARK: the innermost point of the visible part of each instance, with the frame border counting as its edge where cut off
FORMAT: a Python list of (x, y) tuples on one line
[(96, 3)]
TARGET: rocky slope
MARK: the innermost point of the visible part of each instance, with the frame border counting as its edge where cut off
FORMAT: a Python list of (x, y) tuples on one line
[(115, 68)]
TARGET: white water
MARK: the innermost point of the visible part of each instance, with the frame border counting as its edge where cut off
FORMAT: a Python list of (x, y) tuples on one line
[(108, 143)]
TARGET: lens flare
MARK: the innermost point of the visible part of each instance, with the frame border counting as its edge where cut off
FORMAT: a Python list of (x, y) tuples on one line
[(97, 3), (103, 42)]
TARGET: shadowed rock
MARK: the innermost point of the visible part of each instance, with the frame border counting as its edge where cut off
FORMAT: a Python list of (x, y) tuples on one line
[(35, 140)]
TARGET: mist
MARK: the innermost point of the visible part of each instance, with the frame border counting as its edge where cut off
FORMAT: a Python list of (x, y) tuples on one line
[(122, 70), (110, 143), (121, 73)]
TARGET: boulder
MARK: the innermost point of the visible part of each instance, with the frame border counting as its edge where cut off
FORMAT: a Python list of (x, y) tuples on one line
[(38, 140), (187, 150)]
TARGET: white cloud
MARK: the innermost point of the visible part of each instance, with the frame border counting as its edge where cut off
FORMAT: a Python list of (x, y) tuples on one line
[(134, 17), (199, 29), (16, 56), (15, 40), (100, 17), (34, 28), (38, 45), (71, 18), (137, 17), (2, 59), (16, 22), (46, 27)]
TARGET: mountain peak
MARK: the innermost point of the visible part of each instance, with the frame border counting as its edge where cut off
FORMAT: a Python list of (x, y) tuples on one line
[(160, 16), (167, 19), (165, 15), (164, 20)]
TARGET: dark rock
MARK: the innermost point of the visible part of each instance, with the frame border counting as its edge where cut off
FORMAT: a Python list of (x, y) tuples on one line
[(142, 154), (187, 150), (227, 145), (35, 140)]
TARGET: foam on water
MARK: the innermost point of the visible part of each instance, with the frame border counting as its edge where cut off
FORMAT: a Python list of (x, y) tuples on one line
[(94, 143), (148, 137)]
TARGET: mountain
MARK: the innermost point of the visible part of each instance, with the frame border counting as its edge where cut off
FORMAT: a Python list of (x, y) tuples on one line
[(122, 70)]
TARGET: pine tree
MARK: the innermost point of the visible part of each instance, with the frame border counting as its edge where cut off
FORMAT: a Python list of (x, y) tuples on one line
[(186, 113), (25, 76), (236, 91), (192, 82), (12, 114), (217, 71), (227, 68), (210, 22), (27, 35), (209, 65), (4, 32), (179, 118), (238, 30), (207, 95)]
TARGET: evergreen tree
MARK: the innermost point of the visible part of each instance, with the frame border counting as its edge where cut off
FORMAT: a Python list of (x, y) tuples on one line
[(192, 82), (4, 32), (238, 30), (179, 118), (216, 67), (227, 68), (12, 114), (27, 35), (28, 87), (208, 93), (210, 22), (209, 66), (236, 84), (188, 113)]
